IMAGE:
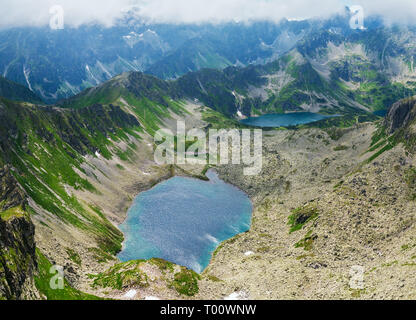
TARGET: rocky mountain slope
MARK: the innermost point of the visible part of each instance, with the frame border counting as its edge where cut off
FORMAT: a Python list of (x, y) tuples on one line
[(17, 241), (326, 205), (286, 85), (14, 91), (334, 70), (401, 123)]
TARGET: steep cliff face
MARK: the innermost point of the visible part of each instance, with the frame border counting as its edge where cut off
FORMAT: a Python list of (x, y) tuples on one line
[(401, 114), (11, 195), (401, 123), (17, 242)]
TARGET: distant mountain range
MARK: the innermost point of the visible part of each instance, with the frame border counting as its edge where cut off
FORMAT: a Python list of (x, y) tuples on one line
[(58, 64), (294, 65)]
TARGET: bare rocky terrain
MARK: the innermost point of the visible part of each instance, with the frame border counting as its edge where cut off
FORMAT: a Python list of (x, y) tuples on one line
[(361, 215)]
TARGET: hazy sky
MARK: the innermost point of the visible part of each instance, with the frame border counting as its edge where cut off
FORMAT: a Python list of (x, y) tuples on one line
[(36, 12)]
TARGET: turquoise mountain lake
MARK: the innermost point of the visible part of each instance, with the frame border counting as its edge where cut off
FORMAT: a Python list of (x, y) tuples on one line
[(283, 120), (183, 220)]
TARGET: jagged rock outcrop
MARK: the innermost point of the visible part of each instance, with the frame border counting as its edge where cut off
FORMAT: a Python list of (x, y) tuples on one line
[(10, 194), (17, 242), (17, 259), (401, 123), (401, 114)]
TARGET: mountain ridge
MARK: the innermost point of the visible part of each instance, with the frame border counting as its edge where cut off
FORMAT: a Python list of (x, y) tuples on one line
[(14, 91)]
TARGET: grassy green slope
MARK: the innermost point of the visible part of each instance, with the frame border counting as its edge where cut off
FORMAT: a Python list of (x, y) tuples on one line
[(151, 100), (42, 282), (46, 148)]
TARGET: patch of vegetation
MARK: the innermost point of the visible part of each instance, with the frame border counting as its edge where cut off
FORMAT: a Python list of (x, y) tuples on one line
[(379, 135), (100, 255), (339, 184), (410, 177), (263, 249), (304, 256), (390, 264), (16, 212), (42, 282), (334, 126), (74, 256), (215, 253), (386, 148), (122, 276), (377, 145), (186, 282), (408, 246), (301, 216), (213, 278), (341, 148), (335, 133), (307, 242), (265, 235), (380, 143), (409, 264), (219, 121), (380, 95), (162, 264), (357, 293)]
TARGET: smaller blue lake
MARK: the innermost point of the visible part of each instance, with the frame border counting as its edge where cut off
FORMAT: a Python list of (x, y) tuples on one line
[(284, 119), (381, 113), (183, 220)]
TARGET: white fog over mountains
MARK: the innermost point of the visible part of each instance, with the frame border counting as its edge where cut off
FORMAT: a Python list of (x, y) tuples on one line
[(107, 12)]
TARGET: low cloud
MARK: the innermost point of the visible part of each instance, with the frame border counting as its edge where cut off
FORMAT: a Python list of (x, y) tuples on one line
[(106, 12), (397, 11), (16, 13), (196, 11)]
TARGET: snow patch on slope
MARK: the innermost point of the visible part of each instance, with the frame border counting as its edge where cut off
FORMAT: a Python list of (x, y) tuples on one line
[(26, 72)]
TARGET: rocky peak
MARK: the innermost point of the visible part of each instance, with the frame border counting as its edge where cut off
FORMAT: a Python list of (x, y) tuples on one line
[(11, 195), (401, 115), (17, 242)]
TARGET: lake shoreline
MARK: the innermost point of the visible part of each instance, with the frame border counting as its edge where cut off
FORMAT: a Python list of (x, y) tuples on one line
[(283, 120), (243, 226)]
